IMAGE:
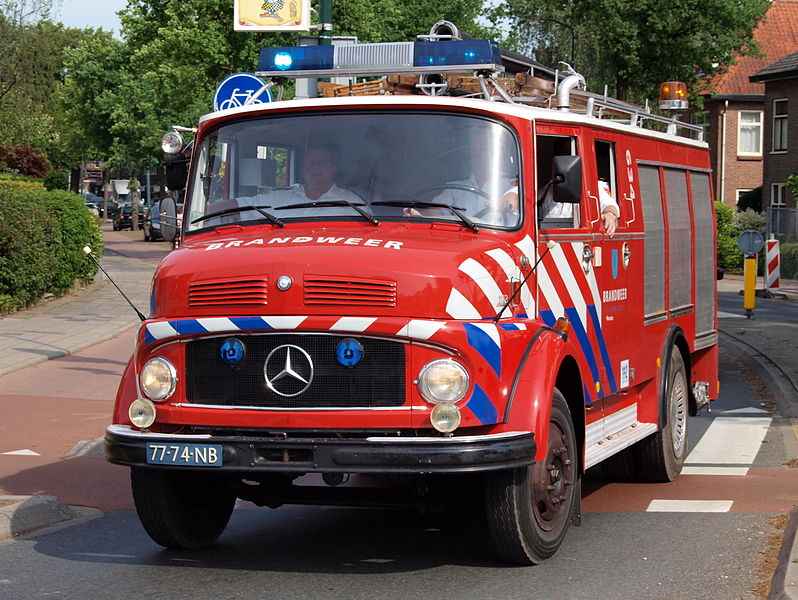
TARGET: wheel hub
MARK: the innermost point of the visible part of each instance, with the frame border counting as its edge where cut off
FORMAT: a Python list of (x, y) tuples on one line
[(551, 482)]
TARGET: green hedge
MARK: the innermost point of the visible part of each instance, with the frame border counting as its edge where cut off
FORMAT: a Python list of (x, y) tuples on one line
[(729, 255), (42, 235), (788, 262)]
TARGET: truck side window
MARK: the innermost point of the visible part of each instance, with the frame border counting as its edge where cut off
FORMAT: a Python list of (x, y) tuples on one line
[(553, 214), (605, 169)]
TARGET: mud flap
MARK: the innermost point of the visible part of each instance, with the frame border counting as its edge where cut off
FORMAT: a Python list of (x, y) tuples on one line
[(576, 513)]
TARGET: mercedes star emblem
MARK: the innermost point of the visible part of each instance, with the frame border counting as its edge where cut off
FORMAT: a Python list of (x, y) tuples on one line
[(288, 368)]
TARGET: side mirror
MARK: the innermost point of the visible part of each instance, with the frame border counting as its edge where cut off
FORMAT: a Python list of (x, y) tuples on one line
[(168, 212), (176, 172), (566, 174)]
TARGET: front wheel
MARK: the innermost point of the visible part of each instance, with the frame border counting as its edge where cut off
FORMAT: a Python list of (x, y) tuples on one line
[(181, 509), (529, 508)]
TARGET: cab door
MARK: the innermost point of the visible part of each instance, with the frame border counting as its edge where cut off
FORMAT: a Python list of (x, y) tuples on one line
[(617, 261), (566, 283)]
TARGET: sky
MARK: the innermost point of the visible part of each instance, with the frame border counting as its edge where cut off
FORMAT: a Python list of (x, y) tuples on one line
[(89, 13)]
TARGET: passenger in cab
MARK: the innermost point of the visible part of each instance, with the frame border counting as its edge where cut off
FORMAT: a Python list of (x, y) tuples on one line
[(610, 211)]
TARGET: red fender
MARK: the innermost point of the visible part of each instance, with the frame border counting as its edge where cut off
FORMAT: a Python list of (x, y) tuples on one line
[(530, 407), (125, 395)]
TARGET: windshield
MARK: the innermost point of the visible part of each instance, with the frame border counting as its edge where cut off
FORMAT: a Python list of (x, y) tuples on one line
[(375, 166)]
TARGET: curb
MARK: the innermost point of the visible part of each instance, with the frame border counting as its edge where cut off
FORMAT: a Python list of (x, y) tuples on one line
[(785, 580), (780, 385), (784, 585), (29, 513)]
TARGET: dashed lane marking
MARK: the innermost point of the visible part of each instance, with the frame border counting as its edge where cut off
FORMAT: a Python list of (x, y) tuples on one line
[(714, 506), (24, 452), (727, 471)]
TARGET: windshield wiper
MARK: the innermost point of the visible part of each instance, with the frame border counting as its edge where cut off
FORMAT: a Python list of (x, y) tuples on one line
[(327, 203), (416, 204), (238, 209)]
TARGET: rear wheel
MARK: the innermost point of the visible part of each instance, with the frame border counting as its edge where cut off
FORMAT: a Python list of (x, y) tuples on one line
[(529, 508), (662, 455), (181, 509)]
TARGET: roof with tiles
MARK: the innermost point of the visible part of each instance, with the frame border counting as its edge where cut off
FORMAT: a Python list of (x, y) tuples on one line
[(777, 36), (782, 68)]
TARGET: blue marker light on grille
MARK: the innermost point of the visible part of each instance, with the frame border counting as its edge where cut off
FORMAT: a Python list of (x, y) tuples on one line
[(232, 351), (349, 352)]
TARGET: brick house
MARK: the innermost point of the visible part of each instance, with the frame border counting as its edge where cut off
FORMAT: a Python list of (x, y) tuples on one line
[(780, 140), (736, 107)]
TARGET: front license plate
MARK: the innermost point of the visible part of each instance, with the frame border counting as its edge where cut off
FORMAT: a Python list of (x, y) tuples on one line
[(193, 455)]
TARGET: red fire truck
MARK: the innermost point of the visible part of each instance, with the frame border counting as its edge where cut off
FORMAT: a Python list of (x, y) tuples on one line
[(370, 304)]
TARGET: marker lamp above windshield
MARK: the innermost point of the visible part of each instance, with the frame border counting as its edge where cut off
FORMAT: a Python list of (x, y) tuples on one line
[(380, 59)]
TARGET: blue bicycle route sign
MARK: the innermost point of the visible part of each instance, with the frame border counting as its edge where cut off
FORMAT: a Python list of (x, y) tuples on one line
[(237, 89)]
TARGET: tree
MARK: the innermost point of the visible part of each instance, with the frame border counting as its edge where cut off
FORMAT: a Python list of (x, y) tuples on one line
[(89, 98), (399, 20), (634, 45), (15, 17)]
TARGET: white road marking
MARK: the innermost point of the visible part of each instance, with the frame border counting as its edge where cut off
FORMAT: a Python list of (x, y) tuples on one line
[(748, 410), (715, 506), (723, 314), (24, 452), (728, 471), (730, 441)]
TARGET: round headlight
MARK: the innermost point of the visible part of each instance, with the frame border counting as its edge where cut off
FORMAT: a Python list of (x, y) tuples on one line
[(445, 417), (172, 143), (142, 413), (443, 380), (158, 379)]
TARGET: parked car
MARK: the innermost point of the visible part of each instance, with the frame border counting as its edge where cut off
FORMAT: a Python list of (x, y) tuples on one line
[(97, 201), (124, 218), (152, 223)]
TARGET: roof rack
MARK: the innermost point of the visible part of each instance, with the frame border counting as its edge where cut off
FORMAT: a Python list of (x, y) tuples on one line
[(449, 62)]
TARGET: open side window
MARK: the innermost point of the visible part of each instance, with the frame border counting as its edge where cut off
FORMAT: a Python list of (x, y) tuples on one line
[(551, 213)]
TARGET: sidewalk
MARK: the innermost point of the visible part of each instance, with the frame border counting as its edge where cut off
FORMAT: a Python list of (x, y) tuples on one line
[(94, 314), (98, 313)]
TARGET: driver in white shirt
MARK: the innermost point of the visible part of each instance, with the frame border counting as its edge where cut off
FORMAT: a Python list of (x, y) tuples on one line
[(319, 172)]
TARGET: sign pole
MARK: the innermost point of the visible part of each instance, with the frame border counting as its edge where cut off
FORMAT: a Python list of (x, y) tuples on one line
[(325, 18), (750, 243)]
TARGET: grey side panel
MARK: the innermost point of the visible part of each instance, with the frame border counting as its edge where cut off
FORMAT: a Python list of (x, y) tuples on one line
[(680, 263), (705, 274), (654, 245)]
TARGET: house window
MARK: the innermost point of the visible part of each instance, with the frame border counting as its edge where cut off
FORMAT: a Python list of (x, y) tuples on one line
[(749, 133), (739, 196), (777, 194), (780, 125)]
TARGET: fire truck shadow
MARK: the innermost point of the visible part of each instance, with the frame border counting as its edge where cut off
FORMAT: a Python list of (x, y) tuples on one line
[(315, 540)]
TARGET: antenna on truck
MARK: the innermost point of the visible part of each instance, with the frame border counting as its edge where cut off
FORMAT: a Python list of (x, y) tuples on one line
[(87, 252), (549, 245)]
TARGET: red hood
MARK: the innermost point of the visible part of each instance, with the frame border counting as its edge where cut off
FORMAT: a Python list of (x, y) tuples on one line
[(391, 270)]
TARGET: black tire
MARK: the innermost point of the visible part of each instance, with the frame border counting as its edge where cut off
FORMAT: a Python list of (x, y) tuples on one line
[(146, 237), (530, 508), (622, 467), (662, 455), (181, 509)]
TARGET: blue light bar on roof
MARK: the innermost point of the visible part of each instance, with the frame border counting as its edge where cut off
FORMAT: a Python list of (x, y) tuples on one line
[(380, 59)]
